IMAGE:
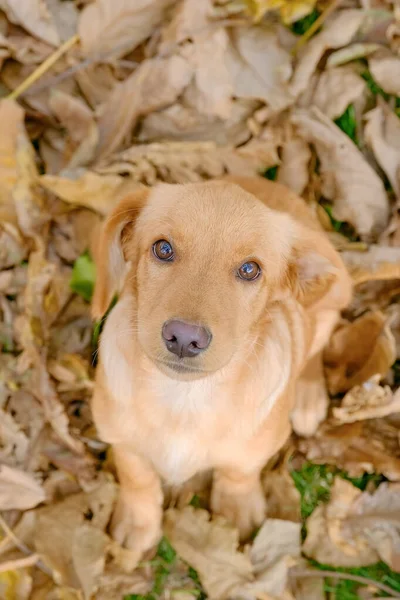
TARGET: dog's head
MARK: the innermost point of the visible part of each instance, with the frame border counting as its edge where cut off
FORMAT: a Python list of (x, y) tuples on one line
[(202, 263)]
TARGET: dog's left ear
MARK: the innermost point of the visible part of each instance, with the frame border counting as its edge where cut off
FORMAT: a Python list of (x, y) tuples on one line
[(313, 267), (110, 249)]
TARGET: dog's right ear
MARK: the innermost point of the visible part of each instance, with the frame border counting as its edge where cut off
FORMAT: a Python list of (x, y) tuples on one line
[(109, 250)]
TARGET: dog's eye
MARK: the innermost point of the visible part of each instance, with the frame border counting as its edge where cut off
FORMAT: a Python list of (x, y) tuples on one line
[(249, 271), (163, 250)]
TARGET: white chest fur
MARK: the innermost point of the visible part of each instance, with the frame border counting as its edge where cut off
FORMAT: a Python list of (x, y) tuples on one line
[(186, 427)]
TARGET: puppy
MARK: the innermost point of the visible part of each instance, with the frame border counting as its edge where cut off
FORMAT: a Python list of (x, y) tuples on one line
[(228, 292)]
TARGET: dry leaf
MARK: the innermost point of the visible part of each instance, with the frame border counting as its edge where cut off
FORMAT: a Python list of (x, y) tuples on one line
[(385, 69), (89, 547), (34, 16), (117, 26), (289, 11), (176, 162), (337, 32), (336, 89), (357, 192), (58, 531), (357, 351), (84, 188), (260, 67), (153, 85), (382, 134), (378, 263), (283, 498), (295, 160), (201, 44), (184, 123), (367, 401), (357, 448), (325, 541), (361, 528), (210, 547), (19, 490)]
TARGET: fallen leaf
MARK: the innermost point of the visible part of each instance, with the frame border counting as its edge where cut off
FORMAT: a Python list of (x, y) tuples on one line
[(382, 134), (177, 162), (283, 498), (19, 490), (358, 448), (378, 263), (89, 547), (338, 31), (34, 16), (260, 67), (80, 125), (119, 26), (325, 541), (385, 69), (336, 88), (85, 188), (156, 83), (16, 585), (289, 11), (211, 548), (294, 162), (357, 351), (367, 401), (58, 533), (201, 44), (357, 193), (350, 53)]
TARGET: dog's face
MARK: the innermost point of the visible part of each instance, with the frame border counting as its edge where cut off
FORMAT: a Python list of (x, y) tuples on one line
[(205, 260)]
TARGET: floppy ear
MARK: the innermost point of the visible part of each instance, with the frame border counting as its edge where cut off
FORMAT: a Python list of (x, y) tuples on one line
[(109, 250), (314, 267)]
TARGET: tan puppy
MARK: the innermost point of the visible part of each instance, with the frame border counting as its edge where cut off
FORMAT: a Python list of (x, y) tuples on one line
[(229, 291)]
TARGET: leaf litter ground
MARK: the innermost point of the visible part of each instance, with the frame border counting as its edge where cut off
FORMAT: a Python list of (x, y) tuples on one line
[(98, 97)]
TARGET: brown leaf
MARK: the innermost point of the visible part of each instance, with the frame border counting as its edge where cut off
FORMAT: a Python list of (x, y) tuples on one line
[(382, 134), (336, 88), (84, 188), (260, 67), (385, 69), (283, 498), (58, 532), (153, 85), (119, 26), (357, 448), (19, 490), (337, 32), (34, 16), (357, 351), (357, 192), (367, 401), (378, 263), (325, 541), (89, 546), (201, 43), (359, 528), (295, 159), (210, 547)]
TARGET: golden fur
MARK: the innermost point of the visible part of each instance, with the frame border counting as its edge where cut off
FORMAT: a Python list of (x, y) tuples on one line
[(229, 408)]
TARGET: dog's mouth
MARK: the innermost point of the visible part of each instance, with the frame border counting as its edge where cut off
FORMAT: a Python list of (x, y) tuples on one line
[(181, 368)]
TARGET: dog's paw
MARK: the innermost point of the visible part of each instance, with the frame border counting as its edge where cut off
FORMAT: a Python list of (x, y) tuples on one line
[(127, 531), (246, 509), (311, 406)]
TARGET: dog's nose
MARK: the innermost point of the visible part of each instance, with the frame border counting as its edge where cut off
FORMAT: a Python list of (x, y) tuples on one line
[(184, 339)]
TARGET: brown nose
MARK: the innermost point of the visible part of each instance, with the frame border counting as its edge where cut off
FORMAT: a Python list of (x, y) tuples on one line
[(184, 339)]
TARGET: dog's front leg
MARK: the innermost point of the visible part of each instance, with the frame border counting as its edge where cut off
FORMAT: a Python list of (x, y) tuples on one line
[(239, 498), (136, 522)]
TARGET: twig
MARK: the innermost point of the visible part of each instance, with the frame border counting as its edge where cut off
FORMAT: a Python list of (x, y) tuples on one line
[(303, 573), (19, 563), (316, 25), (43, 67)]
